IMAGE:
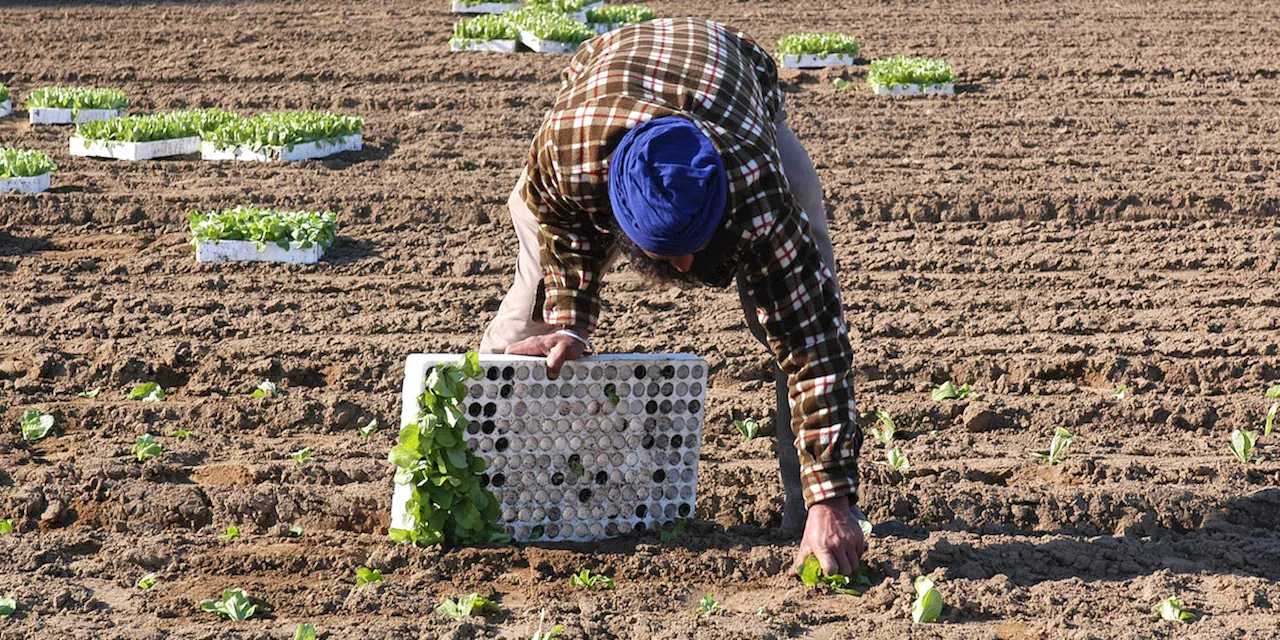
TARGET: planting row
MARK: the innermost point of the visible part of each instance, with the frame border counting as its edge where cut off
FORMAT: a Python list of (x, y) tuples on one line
[(557, 29)]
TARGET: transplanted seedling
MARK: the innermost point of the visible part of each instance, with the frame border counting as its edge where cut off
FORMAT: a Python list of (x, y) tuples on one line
[(1273, 393), (842, 84), (181, 434), (949, 391), (90, 393), (295, 531), (928, 604), (1170, 609), (267, 389), (233, 605), (748, 428), (146, 392), (305, 631), (811, 574), (36, 425), (146, 447), (708, 605), (232, 533), (668, 536), (1121, 393), (302, 456), (147, 581), (6, 526), (1241, 445), (549, 633), (8, 606), (1057, 448), (587, 580), (890, 430), (895, 459), (472, 605), (368, 429), (365, 575)]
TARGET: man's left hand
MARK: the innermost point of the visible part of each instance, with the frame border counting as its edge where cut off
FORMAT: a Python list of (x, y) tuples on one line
[(832, 534)]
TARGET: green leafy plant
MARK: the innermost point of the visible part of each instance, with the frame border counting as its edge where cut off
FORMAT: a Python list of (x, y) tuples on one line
[(4, 93), (928, 604), (555, 6), (1241, 445), (820, 44), (147, 581), (842, 84), (900, 70), (448, 503), (6, 526), (611, 392), (620, 14), (668, 536), (283, 129), (486, 28), (1057, 448), (949, 391), (1121, 392), (890, 430), (1170, 609), (547, 25), (548, 634), (265, 226), (36, 425), (748, 428), (24, 163), (470, 605), (811, 574), (155, 126), (76, 98), (365, 575), (267, 389), (232, 533), (302, 456), (91, 394), (146, 392), (146, 447), (233, 605), (895, 459), (305, 631), (181, 434), (1271, 419), (368, 429), (296, 531), (8, 606), (589, 581), (708, 605)]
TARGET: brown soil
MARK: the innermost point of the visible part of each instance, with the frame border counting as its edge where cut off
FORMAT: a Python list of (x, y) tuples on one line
[(1095, 207)]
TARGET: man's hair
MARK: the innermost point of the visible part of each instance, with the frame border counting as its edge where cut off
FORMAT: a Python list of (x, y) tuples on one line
[(711, 266)]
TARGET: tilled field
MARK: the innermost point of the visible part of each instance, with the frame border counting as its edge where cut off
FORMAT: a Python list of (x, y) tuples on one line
[(1096, 207)]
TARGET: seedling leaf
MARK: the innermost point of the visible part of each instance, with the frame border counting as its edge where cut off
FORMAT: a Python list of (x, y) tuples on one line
[(146, 447), (6, 526), (895, 459), (948, 391), (590, 582), (267, 389), (748, 428), (470, 605), (1170, 609), (368, 429), (1057, 448), (1271, 418), (306, 631), (90, 393), (302, 456), (842, 84), (928, 604), (365, 575), (550, 633), (181, 434), (146, 392), (147, 581), (1273, 392), (233, 605), (890, 430), (1121, 392), (8, 606), (708, 605), (811, 574), (1242, 445), (296, 531), (35, 425), (232, 533)]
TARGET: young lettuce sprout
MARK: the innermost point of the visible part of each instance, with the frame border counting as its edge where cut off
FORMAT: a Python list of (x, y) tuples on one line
[(147, 581), (748, 428), (146, 392), (1271, 418), (232, 533), (90, 393), (890, 429), (365, 575), (949, 391), (708, 605), (1170, 609), (296, 531), (811, 574), (590, 582), (1121, 392), (267, 389), (895, 459), (6, 526), (8, 606), (35, 425), (368, 429), (472, 605), (302, 456), (1242, 445), (548, 634), (1057, 448), (928, 604), (146, 447), (305, 631), (181, 434), (233, 605), (842, 84)]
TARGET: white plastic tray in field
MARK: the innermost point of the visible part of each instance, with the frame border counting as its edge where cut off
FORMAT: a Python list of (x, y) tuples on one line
[(545, 46), (303, 151), (33, 184), (491, 46), (486, 7), (815, 61), (134, 150), (639, 458), (245, 251), (916, 89), (46, 115), (6, 108)]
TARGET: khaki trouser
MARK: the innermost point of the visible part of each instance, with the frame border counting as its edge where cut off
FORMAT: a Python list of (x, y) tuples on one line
[(514, 322)]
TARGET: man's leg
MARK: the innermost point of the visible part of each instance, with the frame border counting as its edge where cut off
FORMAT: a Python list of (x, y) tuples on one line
[(807, 189), (514, 321)]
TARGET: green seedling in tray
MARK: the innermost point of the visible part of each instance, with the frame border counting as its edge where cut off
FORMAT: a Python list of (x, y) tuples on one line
[(155, 126), (23, 163), (620, 14), (76, 98), (900, 70), (818, 44), (486, 28), (283, 129), (264, 226), (554, 27)]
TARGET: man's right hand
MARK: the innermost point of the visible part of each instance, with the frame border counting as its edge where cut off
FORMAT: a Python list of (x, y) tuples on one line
[(558, 348)]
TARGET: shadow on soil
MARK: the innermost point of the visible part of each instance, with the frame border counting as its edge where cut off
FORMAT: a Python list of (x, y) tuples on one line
[(349, 250)]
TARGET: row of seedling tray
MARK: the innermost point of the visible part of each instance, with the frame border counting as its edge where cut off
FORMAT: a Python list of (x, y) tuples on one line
[(898, 75), (557, 27)]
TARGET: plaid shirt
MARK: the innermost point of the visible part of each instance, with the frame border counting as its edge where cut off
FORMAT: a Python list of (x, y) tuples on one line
[(727, 86)]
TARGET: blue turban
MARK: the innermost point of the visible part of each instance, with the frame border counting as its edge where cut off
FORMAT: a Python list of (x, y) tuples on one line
[(667, 186)]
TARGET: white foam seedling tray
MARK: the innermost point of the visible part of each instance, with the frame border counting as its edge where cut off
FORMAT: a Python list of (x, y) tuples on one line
[(639, 458), (492, 46), (6, 107), (245, 251), (303, 151), (134, 150), (545, 46), (815, 61), (916, 89), (33, 184), (486, 7), (46, 115)]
